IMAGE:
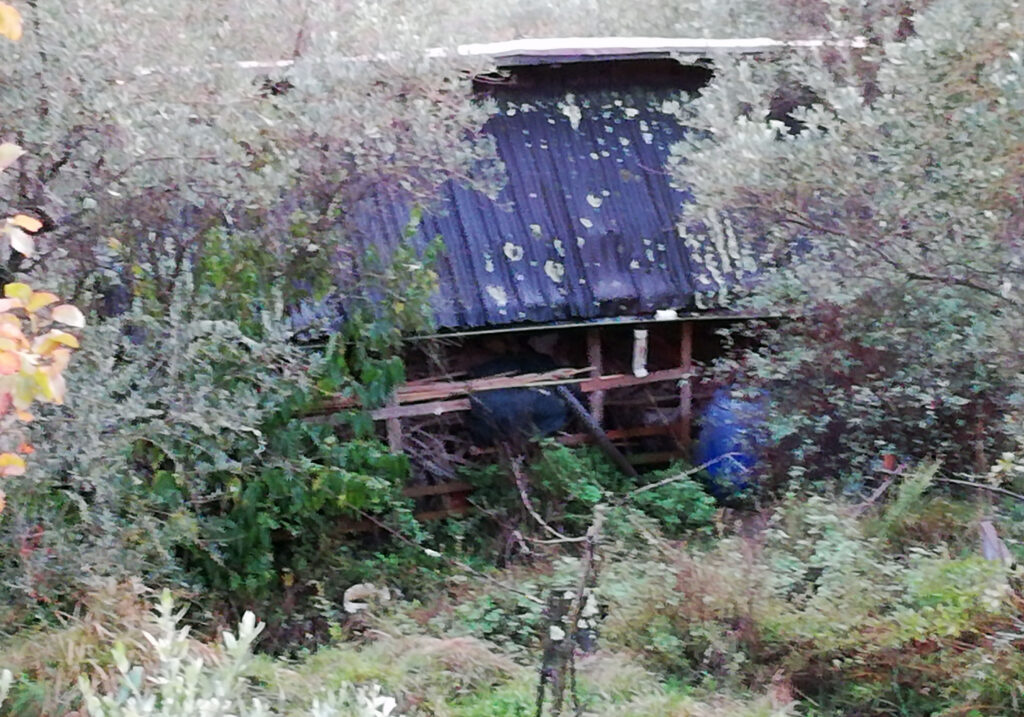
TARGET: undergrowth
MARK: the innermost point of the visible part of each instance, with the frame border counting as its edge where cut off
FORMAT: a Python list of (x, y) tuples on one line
[(816, 607)]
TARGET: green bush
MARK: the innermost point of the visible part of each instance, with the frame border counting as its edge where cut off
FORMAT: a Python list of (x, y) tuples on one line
[(565, 484), (885, 234)]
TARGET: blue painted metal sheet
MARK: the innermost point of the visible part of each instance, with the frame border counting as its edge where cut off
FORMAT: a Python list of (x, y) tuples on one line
[(584, 228)]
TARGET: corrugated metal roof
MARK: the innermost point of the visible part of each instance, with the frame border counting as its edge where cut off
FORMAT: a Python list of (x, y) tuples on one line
[(585, 226)]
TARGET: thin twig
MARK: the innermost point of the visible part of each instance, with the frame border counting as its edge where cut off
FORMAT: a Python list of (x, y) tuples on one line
[(875, 495), (681, 476), (517, 473), (969, 484), (982, 486)]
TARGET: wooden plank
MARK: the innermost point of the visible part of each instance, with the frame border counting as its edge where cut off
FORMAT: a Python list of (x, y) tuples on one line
[(439, 390), (393, 426), (596, 361), (625, 380), (434, 408), (417, 403)]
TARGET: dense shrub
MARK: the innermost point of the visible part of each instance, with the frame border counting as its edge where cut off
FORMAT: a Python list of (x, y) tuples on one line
[(854, 625), (889, 231)]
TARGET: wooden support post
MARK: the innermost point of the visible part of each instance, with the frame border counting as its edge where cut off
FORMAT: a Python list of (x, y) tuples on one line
[(686, 385), (394, 427), (596, 361)]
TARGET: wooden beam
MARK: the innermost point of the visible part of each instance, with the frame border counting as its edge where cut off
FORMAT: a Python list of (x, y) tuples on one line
[(600, 437), (434, 408), (625, 380), (686, 386), (596, 361)]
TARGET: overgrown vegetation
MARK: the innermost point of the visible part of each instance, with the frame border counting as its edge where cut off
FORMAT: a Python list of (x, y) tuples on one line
[(204, 216)]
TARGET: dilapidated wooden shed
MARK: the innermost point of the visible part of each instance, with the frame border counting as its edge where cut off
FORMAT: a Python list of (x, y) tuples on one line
[(581, 256)]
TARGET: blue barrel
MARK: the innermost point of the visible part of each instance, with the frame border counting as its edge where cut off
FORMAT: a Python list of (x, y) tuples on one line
[(729, 426)]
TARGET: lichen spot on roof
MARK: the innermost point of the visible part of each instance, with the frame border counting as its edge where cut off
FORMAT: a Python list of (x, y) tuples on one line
[(630, 112), (594, 200), (555, 270), (535, 230), (586, 222), (570, 109), (513, 251), (498, 294), (559, 247), (671, 107)]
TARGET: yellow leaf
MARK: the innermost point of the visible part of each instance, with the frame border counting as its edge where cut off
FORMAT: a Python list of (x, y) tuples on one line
[(11, 464), (44, 345), (24, 416), (45, 385), (40, 299), (17, 290), (29, 224), (21, 242), (10, 363), (58, 388), (70, 315), (10, 22), (9, 154)]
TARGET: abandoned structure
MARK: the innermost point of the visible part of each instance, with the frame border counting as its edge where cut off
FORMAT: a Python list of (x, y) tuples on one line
[(577, 274)]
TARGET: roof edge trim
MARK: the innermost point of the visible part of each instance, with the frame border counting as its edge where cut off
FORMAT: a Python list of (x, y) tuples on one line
[(625, 46), (566, 49)]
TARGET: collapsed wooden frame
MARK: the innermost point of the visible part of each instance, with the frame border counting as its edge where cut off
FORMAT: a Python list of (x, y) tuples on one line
[(433, 397)]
